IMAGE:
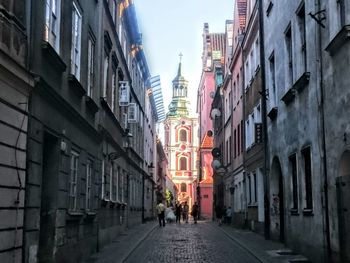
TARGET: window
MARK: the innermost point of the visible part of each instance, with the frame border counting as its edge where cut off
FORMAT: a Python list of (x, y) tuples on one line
[(114, 90), (302, 30), (103, 181), (183, 135), (113, 10), (74, 161), (88, 185), (289, 55), (183, 163), (113, 181), (294, 175), (52, 23), (76, 42), (250, 189), (105, 76), (306, 153), (341, 11), (242, 134), (238, 140), (255, 189), (272, 79), (205, 196), (91, 72), (183, 187), (235, 143)]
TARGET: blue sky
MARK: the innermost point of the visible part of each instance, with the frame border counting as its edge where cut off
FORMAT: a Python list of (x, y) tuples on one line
[(169, 27)]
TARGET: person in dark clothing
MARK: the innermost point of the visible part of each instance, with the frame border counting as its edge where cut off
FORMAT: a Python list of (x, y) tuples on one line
[(218, 212), (178, 211), (161, 213), (195, 210)]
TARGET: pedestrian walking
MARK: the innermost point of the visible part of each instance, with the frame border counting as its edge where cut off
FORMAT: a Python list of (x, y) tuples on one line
[(178, 211), (228, 215), (185, 210), (161, 213), (218, 212), (195, 210)]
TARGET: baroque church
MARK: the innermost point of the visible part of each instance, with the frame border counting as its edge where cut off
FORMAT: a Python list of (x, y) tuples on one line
[(181, 141)]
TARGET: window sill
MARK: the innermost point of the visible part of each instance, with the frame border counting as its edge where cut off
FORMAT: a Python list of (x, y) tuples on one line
[(91, 104), (308, 212), (294, 212), (273, 113), (339, 40), (55, 57), (76, 85), (302, 82), (289, 96), (74, 215)]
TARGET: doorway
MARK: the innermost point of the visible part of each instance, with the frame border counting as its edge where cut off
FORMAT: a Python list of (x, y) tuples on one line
[(343, 201), (276, 201), (49, 184)]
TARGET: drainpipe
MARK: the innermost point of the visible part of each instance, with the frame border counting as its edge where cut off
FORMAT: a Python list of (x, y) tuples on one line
[(264, 123), (319, 59)]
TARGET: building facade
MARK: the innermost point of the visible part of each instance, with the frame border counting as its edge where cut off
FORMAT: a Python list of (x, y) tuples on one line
[(16, 84), (213, 52), (73, 130), (181, 141), (254, 151)]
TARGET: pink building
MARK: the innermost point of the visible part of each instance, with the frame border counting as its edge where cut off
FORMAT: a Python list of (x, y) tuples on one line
[(213, 54)]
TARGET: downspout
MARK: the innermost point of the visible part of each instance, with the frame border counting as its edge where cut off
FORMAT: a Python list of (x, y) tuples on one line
[(323, 134), (264, 123)]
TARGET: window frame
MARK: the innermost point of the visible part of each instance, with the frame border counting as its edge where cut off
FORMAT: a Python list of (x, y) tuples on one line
[(91, 71), (73, 180), (52, 24), (88, 190), (76, 41)]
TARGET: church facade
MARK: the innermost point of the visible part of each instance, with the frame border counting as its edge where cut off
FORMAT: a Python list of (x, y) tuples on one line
[(181, 141)]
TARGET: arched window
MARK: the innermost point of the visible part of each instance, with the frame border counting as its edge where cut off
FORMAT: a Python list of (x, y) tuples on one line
[(183, 163), (183, 187), (183, 135)]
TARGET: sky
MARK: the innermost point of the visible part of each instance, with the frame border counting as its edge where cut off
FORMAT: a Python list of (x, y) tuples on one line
[(171, 27)]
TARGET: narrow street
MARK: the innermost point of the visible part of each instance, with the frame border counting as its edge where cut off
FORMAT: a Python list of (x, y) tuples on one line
[(202, 242)]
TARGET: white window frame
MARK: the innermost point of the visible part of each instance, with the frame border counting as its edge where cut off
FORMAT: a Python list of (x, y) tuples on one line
[(91, 72), (114, 90), (103, 180), (76, 42), (73, 182), (89, 167), (132, 113), (105, 76), (52, 23)]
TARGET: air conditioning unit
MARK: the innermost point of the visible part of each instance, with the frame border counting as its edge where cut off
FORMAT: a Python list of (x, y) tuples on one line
[(124, 93), (132, 113)]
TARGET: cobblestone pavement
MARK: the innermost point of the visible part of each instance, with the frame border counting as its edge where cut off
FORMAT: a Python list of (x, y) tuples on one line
[(202, 242)]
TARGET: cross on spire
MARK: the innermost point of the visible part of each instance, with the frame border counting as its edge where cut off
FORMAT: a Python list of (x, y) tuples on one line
[(180, 55)]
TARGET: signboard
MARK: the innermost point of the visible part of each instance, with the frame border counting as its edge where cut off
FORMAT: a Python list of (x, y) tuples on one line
[(124, 93), (258, 133), (216, 55)]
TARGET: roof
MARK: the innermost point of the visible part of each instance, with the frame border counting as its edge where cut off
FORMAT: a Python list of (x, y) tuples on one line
[(208, 180), (208, 142)]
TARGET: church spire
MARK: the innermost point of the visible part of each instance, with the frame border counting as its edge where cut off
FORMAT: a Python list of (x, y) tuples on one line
[(179, 105), (179, 70)]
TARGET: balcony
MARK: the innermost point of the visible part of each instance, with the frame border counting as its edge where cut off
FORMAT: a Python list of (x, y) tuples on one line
[(13, 40)]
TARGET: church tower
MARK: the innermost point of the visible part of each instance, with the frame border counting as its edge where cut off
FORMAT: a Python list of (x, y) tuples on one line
[(181, 140)]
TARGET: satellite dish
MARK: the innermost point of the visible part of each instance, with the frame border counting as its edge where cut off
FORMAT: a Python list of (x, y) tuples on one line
[(215, 164), (216, 152), (215, 113)]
